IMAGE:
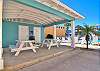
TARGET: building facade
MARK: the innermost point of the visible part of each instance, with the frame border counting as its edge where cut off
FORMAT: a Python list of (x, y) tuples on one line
[(60, 31)]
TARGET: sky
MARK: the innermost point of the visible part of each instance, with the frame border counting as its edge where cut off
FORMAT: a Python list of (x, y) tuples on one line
[(90, 9)]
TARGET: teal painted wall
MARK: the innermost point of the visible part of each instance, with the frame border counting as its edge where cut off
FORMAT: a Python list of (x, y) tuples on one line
[(10, 32)]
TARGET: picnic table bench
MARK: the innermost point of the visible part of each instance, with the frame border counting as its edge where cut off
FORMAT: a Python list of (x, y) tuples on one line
[(50, 43), (23, 45)]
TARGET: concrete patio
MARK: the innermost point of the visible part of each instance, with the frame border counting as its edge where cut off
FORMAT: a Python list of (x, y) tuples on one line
[(28, 55), (82, 45), (76, 60)]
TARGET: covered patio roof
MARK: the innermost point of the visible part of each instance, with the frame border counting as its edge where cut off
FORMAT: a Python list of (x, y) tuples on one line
[(56, 4), (42, 13), (38, 12)]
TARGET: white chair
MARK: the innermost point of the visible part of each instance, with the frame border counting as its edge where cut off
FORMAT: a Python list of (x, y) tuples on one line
[(14, 47), (53, 43)]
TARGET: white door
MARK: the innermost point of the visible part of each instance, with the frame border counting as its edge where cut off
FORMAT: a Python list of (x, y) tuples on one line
[(37, 34), (23, 32)]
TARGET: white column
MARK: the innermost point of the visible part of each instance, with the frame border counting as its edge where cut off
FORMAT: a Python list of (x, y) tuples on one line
[(73, 34), (54, 31), (1, 49), (42, 33)]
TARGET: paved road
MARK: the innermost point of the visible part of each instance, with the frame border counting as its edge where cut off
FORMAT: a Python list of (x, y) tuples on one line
[(76, 60)]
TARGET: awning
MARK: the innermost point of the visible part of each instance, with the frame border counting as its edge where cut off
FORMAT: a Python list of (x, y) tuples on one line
[(56, 4), (32, 11)]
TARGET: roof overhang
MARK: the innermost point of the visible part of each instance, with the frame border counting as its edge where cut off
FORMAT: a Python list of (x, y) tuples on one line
[(14, 11), (43, 7), (35, 12), (56, 4)]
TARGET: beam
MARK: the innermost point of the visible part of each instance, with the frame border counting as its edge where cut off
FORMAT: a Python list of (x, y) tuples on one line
[(56, 23)]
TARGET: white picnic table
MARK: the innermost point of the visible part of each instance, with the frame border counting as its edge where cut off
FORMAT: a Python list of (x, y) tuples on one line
[(23, 45), (50, 43)]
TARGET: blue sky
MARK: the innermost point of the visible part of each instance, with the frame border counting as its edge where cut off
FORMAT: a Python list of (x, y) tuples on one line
[(88, 8)]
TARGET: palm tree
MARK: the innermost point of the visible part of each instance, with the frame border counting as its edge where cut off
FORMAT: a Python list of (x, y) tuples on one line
[(86, 31)]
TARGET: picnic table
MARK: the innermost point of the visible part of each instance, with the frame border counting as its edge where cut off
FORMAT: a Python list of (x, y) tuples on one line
[(23, 45), (50, 43)]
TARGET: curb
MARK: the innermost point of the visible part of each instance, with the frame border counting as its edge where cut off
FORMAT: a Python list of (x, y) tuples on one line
[(32, 62)]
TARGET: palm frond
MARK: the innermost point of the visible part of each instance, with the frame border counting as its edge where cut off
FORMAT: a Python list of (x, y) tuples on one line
[(86, 29)]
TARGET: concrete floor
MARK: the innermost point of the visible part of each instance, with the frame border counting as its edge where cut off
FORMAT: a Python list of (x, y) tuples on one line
[(77, 60), (24, 56)]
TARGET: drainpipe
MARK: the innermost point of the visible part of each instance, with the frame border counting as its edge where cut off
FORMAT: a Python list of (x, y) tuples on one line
[(1, 49)]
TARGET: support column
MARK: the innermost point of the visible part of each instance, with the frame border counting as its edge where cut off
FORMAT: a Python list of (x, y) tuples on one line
[(55, 32), (73, 34), (1, 49), (42, 33), (65, 27)]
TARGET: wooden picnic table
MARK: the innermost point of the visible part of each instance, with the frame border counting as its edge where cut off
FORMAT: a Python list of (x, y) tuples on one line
[(24, 45), (50, 43)]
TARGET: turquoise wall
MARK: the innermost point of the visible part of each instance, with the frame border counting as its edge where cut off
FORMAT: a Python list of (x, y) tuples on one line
[(10, 32)]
